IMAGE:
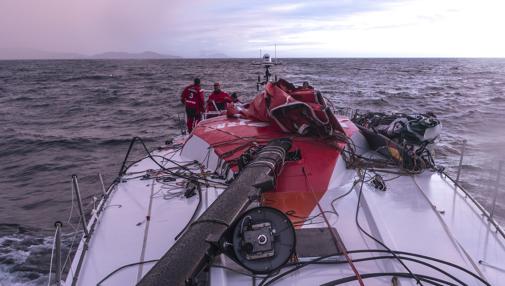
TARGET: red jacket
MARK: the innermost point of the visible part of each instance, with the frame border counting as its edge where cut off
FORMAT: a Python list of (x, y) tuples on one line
[(192, 97), (220, 99)]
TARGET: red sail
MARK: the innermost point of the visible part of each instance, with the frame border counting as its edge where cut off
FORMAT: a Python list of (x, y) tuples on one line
[(293, 109)]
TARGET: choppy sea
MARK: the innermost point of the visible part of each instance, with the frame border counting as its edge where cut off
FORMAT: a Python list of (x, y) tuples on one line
[(59, 118)]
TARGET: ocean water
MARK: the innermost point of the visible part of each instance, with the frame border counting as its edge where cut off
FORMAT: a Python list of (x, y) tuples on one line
[(59, 118)]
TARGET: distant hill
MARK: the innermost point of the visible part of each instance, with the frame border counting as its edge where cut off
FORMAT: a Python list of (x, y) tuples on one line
[(125, 55), (32, 54)]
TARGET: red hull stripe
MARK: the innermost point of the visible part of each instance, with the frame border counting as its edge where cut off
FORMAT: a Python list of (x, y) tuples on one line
[(231, 137)]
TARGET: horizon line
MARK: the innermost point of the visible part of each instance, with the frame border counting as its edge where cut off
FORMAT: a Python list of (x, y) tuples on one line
[(251, 58)]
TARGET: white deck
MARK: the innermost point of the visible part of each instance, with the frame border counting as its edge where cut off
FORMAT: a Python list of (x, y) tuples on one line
[(424, 214), (124, 236), (420, 214)]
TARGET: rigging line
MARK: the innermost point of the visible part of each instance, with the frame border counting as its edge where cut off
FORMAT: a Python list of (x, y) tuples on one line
[(312, 220), (300, 265), (302, 218), (343, 195), (76, 232), (425, 278), (70, 250), (150, 156), (338, 242), (146, 232), (321, 261), (51, 261), (446, 229), (123, 267), (427, 265), (427, 258), (190, 177), (195, 213), (236, 149), (172, 155), (72, 204), (375, 239)]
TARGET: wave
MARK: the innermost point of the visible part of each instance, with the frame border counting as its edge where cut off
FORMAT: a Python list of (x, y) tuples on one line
[(25, 254), (36, 144), (88, 77), (69, 141), (87, 104), (107, 99), (398, 95), (497, 99), (22, 98), (373, 102), (143, 74)]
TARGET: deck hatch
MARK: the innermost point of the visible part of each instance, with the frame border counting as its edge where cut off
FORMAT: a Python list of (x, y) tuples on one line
[(315, 242)]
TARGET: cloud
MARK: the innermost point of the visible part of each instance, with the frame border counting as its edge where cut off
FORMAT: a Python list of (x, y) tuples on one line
[(239, 28), (88, 26), (285, 7)]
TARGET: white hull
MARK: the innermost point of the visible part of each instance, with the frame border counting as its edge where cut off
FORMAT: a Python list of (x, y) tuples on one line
[(425, 214)]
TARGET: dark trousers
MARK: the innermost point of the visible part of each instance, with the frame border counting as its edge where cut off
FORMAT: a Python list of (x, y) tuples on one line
[(192, 118)]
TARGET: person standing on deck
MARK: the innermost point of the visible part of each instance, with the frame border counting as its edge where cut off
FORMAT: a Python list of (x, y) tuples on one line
[(218, 99), (192, 97)]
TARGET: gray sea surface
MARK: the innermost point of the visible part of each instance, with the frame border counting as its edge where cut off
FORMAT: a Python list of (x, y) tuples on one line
[(59, 118)]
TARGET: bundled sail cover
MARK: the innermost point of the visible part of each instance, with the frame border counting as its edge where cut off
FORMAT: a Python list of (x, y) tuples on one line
[(293, 109), (412, 129)]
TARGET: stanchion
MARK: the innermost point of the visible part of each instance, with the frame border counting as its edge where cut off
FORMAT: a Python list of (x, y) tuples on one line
[(79, 204)]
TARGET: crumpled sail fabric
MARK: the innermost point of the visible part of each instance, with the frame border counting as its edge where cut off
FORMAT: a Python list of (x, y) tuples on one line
[(293, 109), (414, 129)]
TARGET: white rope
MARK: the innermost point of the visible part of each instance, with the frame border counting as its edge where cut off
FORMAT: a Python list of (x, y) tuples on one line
[(72, 204), (52, 255), (76, 233), (146, 232), (74, 227)]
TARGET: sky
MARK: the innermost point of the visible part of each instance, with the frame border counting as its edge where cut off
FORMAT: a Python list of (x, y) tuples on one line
[(240, 28)]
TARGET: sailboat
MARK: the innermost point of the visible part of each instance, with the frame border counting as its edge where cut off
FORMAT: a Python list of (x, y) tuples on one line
[(285, 191)]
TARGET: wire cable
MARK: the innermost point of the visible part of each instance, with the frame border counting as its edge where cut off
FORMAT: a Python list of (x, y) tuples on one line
[(193, 179), (197, 209), (336, 238), (420, 277), (52, 256), (373, 238), (123, 267), (318, 260)]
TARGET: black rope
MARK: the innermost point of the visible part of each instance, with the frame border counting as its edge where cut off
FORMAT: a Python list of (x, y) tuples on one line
[(190, 178), (300, 265), (375, 239), (195, 212), (123, 267), (425, 278)]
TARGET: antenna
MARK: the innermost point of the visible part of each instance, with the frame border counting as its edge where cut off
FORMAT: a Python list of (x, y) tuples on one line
[(275, 53), (260, 54)]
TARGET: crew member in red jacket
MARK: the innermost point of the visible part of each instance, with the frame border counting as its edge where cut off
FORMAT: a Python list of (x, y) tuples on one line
[(193, 99), (218, 98)]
